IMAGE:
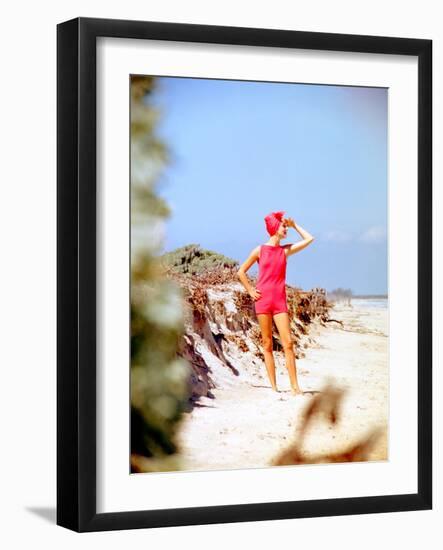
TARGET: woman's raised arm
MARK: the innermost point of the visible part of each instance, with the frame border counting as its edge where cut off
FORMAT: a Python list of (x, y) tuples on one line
[(305, 235)]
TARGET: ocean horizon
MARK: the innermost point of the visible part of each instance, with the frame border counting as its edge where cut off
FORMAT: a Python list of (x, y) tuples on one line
[(377, 302)]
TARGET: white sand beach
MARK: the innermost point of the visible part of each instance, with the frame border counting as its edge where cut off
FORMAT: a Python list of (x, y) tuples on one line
[(247, 424)]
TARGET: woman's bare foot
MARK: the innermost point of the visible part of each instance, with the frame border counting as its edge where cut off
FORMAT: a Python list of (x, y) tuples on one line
[(296, 391)]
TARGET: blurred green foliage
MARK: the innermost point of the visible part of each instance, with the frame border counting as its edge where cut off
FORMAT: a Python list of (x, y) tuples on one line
[(159, 378)]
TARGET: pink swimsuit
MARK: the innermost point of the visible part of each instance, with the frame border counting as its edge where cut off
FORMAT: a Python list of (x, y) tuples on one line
[(271, 280)]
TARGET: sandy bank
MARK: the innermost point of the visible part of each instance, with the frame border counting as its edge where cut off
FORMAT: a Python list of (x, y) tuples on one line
[(248, 424)]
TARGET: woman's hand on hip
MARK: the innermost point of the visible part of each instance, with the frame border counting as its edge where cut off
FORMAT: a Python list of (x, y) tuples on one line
[(255, 294)]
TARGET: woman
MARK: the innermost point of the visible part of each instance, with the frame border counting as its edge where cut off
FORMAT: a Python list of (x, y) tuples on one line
[(270, 293)]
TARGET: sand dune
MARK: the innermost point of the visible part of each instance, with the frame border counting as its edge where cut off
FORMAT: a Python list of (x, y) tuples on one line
[(247, 424)]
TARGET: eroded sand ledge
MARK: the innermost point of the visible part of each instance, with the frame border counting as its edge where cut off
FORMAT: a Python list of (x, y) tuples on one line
[(248, 424)]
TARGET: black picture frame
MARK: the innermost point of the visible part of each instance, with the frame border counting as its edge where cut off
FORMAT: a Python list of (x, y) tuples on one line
[(76, 273)]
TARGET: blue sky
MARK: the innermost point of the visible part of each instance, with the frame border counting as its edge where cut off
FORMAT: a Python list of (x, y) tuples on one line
[(243, 149)]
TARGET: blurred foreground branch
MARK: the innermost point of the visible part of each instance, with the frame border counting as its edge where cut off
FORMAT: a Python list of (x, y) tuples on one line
[(326, 406)]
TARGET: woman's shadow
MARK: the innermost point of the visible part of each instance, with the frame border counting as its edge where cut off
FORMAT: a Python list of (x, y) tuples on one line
[(305, 392)]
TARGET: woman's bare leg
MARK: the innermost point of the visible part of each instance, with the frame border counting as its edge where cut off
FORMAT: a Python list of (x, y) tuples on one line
[(284, 330), (265, 322)]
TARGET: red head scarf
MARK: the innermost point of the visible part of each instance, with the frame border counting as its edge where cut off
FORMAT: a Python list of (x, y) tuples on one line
[(273, 221)]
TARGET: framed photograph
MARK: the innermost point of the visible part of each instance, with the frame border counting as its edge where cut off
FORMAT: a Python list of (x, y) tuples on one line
[(244, 274)]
